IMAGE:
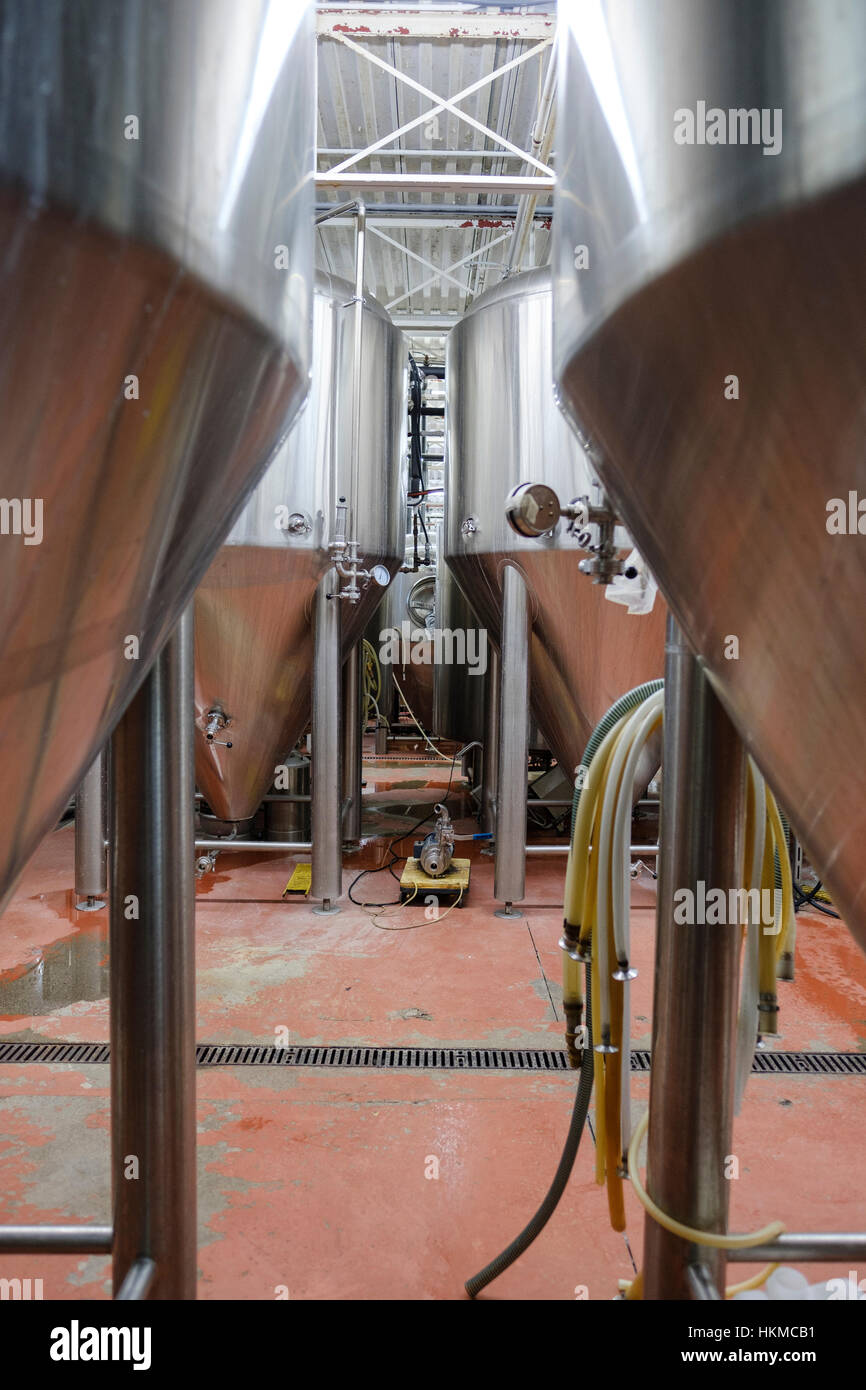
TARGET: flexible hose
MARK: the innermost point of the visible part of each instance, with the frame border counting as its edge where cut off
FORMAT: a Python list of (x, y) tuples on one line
[(566, 1163), (715, 1239), (629, 701)]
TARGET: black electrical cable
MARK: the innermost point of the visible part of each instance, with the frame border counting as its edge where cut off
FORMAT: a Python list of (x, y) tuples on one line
[(426, 539), (395, 858), (809, 899), (417, 481), (579, 1113)]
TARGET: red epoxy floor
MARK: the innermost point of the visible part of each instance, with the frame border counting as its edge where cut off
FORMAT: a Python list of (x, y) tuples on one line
[(319, 1181)]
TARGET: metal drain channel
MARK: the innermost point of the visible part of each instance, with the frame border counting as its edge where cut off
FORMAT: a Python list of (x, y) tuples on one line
[(421, 1058)]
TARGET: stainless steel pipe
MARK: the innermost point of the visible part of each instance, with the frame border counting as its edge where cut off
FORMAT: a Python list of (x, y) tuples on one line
[(152, 982), (700, 1283), (646, 851), (327, 872), (138, 1282), (810, 1247), (352, 744), (490, 766), (268, 846), (696, 976), (55, 1240), (509, 878), (91, 873)]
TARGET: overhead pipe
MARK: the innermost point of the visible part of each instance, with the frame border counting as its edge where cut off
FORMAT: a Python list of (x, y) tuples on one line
[(540, 147)]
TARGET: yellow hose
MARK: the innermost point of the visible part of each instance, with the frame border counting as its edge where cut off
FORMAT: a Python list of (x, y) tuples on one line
[(575, 877), (716, 1240), (612, 1102), (634, 1289), (766, 941), (598, 1082), (787, 936)]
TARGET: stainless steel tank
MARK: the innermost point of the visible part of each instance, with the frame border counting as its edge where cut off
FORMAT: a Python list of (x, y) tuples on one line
[(156, 238), (711, 341), (503, 429), (253, 609), (459, 686), (406, 612)]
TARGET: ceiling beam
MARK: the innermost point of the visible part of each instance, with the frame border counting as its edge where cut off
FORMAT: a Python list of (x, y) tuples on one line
[(444, 22), (426, 323), (429, 153), (438, 183), (439, 216), (441, 104)]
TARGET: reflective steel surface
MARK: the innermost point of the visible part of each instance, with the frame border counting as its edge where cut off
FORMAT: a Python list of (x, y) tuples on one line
[(413, 669), (153, 347), (707, 261), (504, 428), (254, 608), (459, 687)]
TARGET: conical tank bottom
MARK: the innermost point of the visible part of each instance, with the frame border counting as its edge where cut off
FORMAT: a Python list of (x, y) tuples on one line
[(585, 651), (254, 663)]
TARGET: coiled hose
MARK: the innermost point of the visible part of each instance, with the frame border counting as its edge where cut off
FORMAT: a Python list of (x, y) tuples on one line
[(624, 705), (579, 1113)]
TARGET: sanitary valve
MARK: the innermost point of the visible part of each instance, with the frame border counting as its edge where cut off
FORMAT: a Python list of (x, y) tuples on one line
[(434, 853), (534, 510), (214, 722), (349, 564)]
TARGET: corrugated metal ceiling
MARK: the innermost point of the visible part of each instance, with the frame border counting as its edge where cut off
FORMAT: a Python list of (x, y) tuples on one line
[(359, 104)]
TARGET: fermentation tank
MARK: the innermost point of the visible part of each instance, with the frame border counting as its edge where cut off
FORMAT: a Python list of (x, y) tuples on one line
[(406, 611), (156, 238), (459, 686), (504, 428), (254, 607), (711, 343)]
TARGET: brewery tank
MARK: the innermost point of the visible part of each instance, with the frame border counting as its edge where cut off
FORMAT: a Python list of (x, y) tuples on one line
[(504, 428), (254, 607), (709, 274), (156, 235)]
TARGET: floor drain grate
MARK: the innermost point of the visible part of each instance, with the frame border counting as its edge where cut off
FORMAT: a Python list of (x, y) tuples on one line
[(422, 1058)]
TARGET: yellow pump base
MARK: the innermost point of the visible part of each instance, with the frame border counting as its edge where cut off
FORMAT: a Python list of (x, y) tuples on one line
[(417, 885), (299, 883)]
